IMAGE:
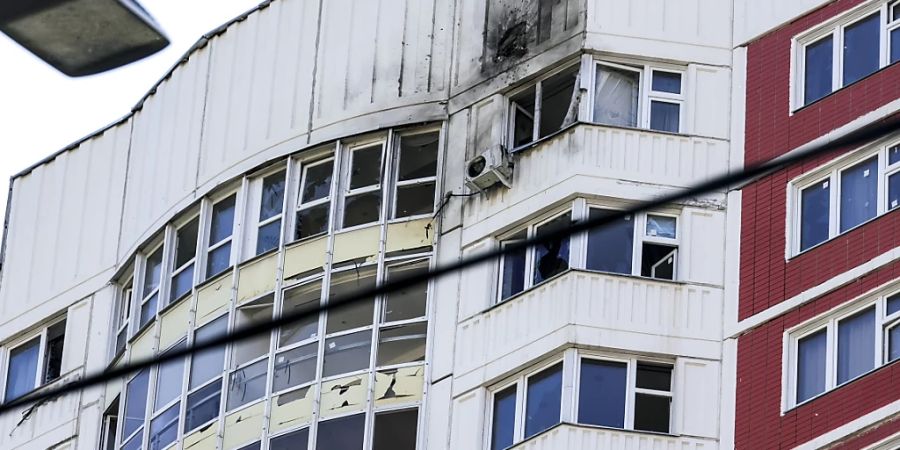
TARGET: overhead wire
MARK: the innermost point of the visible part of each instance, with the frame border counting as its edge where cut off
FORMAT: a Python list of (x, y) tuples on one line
[(726, 181)]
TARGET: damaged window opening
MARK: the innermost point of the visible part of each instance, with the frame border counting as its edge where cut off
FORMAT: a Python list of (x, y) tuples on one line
[(150, 292), (530, 267), (544, 108), (416, 174), (622, 99), (362, 200), (221, 227), (271, 204), (402, 344), (357, 314), (183, 262), (611, 248), (36, 362), (252, 313), (109, 426), (409, 302), (551, 258), (314, 204), (305, 297)]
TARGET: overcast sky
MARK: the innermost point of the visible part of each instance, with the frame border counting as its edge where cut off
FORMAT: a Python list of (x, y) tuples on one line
[(42, 111)]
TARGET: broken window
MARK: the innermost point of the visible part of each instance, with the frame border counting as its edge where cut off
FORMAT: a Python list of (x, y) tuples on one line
[(291, 441), (620, 98), (409, 302), (356, 314), (247, 384), (53, 351), (109, 426), (26, 371), (314, 199), (611, 246), (221, 227), (544, 108), (183, 265), (255, 312), (305, 297), (396, 430), (416, 174), (543, 400), (525, 268), (512, 268), (551, 258), (345, 433), (135, 403), (362, 200), (402, 344), (659, 250), (150, 291), (209, 363), (164, 428), (202, 405), (347, 353), (271, 205), (295, 367)]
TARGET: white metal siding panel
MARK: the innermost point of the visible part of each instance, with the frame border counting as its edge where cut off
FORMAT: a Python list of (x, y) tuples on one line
[(697, 397), (756, 17), (697, 22)]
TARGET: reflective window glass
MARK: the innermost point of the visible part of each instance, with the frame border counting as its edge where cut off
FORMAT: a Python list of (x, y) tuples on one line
[(895, 45), (409, 302), (295, 440), (504, 418), (135, 402), (222, 220), (894, 191), (164, 428), (817, 69), (542, 407), (219, 260), (168, 379), (186, 243), (602, 392), (247, 384), (859, 193), (893, 304), (299, 299), (513, 277), (152, 271), (202, 405), (207, 364), (268, 237), (665, 116), (22, 371), (347, 353), (610, 246), (666, 82), (402, 344), (295, 367), (345, 433), (811, 365), (861, 48), (814, 211), (255, 312), (661, 226), (856, 345), (356, 314), (894, 343), (396, 430)]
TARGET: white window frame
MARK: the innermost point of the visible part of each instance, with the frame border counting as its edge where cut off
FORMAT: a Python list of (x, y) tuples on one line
[(538, 96), (175, 271), (41, 335), (646, 94), (204, 247), (303, 166), (396, 184), (829, 321), (831, 172), (530, 232), (835, 27), (641, 236), (159, 290), (384, 142), (254, 205), (124, 311)]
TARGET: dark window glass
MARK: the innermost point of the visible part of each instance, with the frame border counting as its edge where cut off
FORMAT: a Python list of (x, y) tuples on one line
[(182, 282), (53, 354), (168, 380), (667, 82), (164, 429), (651, 376), (365, 168), (362, 208), (811, 366), (148, 309), (202, 405), (861, 48), (658, 261), (523, 107), (552, 258), (665, 116), (542, 406), (295, 440), (610, 246), (352, 315), (513, 280), (415, 199), (894, 191), (295, 367), (856, 345), (814, 211), (894, 343), (345, 433), (208, 363), (347, 353), (268, 237), (272, 198), (256, 446), (302, 298), (317, 182), (556, 100), (409, 302), (186, 243), (859, 193), (895, 45), (23, 366), (818, 69), (135, 402), (222, 220), (893, 304), (602, 392), (616, 96), (418, 156), (151, 271), (396, 430), (402, 344), (504, 418), (651, 412), (219, 260), (134, 443), (894, 155), (312, 221), (247, 384)]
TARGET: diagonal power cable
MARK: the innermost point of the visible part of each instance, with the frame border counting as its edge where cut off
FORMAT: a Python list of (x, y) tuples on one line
[(730, 180)]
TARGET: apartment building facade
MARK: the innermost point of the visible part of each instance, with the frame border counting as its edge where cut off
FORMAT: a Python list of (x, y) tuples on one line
[(312, 148)]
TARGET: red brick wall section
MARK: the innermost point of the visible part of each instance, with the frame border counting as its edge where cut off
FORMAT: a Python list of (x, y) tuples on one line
[(758, 420), (766, 278), (870, 436)]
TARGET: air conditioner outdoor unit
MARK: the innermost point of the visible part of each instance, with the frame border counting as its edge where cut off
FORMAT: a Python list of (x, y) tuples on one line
[(489, 168)]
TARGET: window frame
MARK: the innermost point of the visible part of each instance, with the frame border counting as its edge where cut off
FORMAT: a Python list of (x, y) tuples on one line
[(640, 236), (344, 180), (646, 94), (161, 287), (40, 335), (252, 222), (537, 85), (124, 311), (301, 168), (394, 173), (204, 247), (170, 262)]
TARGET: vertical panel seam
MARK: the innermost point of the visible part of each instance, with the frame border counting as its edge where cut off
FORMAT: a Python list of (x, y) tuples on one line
[(315, 68)]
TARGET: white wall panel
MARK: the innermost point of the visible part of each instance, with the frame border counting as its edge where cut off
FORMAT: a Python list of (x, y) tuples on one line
[(575, 437), (756, 17), (697, 401)]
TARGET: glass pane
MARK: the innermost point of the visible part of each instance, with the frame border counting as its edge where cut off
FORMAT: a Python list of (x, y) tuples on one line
[(219, 260), (616, 96), (542, 406), (23, 365), (504, 418), (894, 191), (856, 345), (895, 45), (418, 156), (295, 367), (665, 116), (859, 193), (168, 380), (402, 344), (365, 167), (658, 261), (409, 302), (53, 353), (396, 430), (134, 443), (513, 280), (255, 446), (203, 405), (347, 353), (182, 282), (362, 208), (667, 82), (296, 300), (861, 48), (610, 246), (818, 69), (272, 197), (893, 304), (345, 433), (650, 376), (135, 402), (523, 107), (894, 155), (222, 220), (255, 312), (894, 344), (356, 314), (148, 309), (814, 211), (164, 428), (317, 182), (651, 413), (415, 199), (186, 243), (268, 237), (556, 100), (295, 440), (247, 384), (312, 221), (552, 257), (811, 365), (601, 398), (151, 271), (209, 363), (661, 226)]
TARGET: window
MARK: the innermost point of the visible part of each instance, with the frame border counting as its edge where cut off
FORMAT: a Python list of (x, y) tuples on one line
[(203, 405), (347, 353), (603, 389), (248, 314), (396, 430), (416, 174), (345, 433), (295, 367), (304, 297), (503, 419), (294, 440), (123, 313), (247, 384), (150, 291), (523, 269), (843, 346), (846, 50), (168, 380), (622, 99), (183, 263), (611, 248), (543, 393), (164, 428), (362, 199), (109, 426), (314, 199), (271, 205), (205, 382), (35, 362), (844, 194), (543, 108), (221, 227), (135, 404)]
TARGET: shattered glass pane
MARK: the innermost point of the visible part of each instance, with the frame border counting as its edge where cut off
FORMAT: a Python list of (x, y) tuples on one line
[(272, 198), (365, 166), (552, 258), (415, 199), (317, 182), (556, 100), (418, 156)]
